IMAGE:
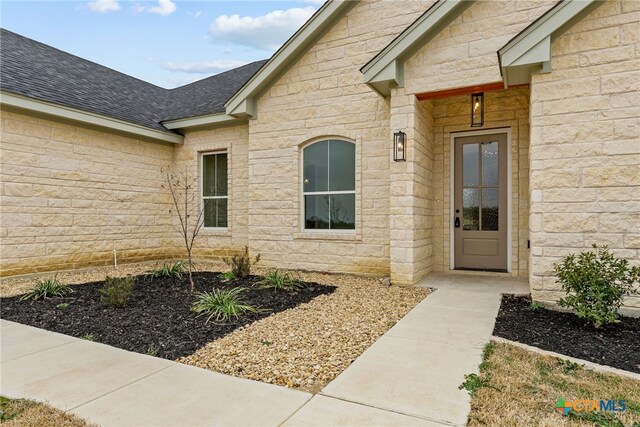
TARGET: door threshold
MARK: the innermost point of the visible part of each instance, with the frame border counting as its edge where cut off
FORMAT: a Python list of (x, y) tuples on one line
[(482, 270), (488, 273)]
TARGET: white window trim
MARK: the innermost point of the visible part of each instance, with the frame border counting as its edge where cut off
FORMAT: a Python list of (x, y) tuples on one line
[(328, 193), (201, 184)]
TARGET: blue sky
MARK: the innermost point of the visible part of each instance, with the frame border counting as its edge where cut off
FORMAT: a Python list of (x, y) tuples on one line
[(165, 42)]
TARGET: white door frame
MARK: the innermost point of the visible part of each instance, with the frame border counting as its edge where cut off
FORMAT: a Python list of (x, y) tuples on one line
[(452, 136)]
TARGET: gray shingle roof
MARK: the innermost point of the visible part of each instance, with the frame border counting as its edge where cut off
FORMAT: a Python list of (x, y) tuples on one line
[(39, 71), (208, 95)]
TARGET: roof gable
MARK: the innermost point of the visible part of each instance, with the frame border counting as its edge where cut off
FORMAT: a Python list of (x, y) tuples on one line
[(530, 50), (242, 104), (386, 69)]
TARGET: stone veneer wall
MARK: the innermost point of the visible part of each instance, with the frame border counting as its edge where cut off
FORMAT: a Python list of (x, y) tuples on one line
[(585, 144), (71, 195), (507, 109), (323, 95), (213, 242)]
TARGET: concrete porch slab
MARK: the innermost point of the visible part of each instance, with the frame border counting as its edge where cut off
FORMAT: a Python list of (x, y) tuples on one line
[(488, 282)]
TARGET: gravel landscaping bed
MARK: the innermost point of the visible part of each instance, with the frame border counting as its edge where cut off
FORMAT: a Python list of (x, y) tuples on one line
[(304, 347), (615, 345), (309, 345), (158, 318)]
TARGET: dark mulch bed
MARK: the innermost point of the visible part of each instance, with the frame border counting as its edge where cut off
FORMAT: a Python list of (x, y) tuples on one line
[(615, 345), (158, 315)]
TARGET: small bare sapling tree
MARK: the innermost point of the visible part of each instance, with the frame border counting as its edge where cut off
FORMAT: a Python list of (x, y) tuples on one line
[(184, 195)]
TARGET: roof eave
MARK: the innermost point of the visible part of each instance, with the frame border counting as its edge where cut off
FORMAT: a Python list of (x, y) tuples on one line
[(529, 52), (91, 119), (386, 69), (242, 104), (209, 120)]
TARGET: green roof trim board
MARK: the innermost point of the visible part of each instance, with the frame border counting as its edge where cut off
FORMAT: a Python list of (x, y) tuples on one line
[(530, 50), (386, 69), (208, 120), (91, 119)]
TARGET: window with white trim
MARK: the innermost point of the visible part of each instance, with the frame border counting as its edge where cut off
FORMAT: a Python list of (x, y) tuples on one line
[(214, 190), (329, 185)]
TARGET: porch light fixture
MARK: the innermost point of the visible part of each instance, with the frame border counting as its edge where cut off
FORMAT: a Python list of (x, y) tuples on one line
[(477, 109), (399, 147)]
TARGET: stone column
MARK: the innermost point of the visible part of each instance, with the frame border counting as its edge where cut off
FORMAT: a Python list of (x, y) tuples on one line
[(411, 190)]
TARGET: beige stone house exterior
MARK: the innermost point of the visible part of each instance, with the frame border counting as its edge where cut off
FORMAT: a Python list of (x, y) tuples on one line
[(551, 165)]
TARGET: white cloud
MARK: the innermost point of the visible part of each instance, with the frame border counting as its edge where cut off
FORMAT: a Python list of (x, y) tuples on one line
[(164, 8), (137, 8), (104, 5), (207, 67), (263, 32)]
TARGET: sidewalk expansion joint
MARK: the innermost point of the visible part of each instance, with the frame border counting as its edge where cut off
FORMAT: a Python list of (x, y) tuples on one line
[(422, 417), (123, 386), (37, 351)]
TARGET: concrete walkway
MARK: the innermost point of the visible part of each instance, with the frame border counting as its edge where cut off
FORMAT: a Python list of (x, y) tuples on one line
[(408, 377), (416, 367)]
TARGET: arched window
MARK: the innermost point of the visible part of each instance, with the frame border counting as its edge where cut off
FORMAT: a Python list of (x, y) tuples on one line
[(329, 185)]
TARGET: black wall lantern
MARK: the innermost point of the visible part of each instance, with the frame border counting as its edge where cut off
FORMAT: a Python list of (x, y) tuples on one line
[(477, 109), (399, 147)]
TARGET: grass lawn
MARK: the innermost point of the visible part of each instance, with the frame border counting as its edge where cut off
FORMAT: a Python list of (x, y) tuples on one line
[(23, 412), (517, 387)]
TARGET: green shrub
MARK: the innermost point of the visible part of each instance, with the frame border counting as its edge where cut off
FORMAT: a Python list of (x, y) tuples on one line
[(221, 305), (116, 291), (241, 264), (47, 288), (226, 276), (596, 284), (175, 270), (280, 280), (88, 337)]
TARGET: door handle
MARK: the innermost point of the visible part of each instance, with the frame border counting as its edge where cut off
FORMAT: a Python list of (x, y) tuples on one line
[(457, 222)]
